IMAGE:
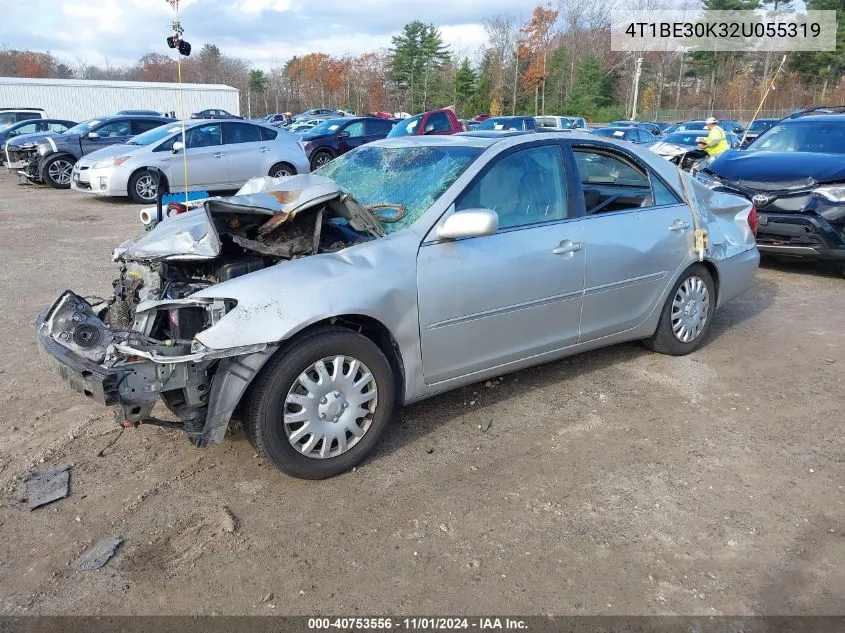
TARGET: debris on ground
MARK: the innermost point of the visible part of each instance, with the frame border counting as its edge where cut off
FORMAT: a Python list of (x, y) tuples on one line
[(95, 557), (230, 521), (46, 485), (485, 424)]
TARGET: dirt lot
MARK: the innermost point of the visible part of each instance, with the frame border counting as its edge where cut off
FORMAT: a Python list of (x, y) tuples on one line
[(616, 482)]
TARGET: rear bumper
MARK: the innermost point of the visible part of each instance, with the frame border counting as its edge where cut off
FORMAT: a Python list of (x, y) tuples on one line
[(800, 235), (736, 274)]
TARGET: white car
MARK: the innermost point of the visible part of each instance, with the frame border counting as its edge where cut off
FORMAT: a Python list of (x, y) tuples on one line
[(221, 155)]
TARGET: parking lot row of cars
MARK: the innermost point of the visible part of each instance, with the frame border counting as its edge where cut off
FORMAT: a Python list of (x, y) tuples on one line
[(790, 168)]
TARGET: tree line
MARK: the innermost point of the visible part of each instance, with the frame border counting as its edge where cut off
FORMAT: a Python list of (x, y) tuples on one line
[(556, 60)]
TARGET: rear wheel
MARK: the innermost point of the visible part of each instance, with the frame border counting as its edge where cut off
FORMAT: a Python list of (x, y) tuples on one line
[(687, 315), (57, 170), (279, 170), (320, 405), (320, 158)]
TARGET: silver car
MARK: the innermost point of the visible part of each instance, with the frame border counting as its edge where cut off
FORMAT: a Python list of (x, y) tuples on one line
[(316, 304), (221, 155)]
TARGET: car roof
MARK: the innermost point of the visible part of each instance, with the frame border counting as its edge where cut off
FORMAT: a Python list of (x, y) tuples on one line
[(815, 118)]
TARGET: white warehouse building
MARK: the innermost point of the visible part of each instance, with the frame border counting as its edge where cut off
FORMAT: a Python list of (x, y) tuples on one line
[(81, 99)]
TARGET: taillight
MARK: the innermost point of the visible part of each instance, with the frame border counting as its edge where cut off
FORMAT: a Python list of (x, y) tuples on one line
[(752, 220), (175, 208)]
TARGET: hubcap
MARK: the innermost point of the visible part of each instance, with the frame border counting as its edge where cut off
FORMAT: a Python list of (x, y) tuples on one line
[(690, 309), (321, 160), (59, 171), (281, 172), (330, 407), (146, 188)]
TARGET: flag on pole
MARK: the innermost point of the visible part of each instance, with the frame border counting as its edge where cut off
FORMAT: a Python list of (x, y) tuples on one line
[(174, 4)]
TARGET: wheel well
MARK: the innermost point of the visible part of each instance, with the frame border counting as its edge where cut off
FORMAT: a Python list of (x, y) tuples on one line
[(378, 334), (714, 273), (285, 163), (163, 181)]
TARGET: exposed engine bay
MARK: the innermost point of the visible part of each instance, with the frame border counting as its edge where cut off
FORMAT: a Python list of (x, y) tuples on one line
[(142, 339)]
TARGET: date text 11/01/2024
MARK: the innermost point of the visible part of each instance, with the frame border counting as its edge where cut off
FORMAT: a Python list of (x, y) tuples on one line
[(416, 624)]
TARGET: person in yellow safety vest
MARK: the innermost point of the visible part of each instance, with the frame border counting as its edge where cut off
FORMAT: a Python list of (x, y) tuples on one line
[(717, 141)]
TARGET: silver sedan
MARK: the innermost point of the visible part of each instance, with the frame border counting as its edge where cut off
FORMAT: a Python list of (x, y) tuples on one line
[(317, 304), (220, 155)]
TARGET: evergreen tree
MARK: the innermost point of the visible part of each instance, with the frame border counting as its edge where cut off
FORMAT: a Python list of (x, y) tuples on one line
[(417, 54), (465, 81)]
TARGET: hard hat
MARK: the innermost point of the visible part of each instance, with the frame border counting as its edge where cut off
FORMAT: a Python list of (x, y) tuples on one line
[(711, 121)]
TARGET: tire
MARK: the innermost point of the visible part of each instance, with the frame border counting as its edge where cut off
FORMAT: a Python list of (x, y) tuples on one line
[(57, 170), (278, 427), (696, 294), (141, 183), (320, 158), (282, 169)]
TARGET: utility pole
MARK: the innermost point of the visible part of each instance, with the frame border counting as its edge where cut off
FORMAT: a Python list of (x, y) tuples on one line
[(637, 74), (515, 77)]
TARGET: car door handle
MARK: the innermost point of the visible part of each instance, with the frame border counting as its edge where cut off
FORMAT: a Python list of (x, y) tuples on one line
[(567, 247), (679, 225), (263, 149), (218, 155)]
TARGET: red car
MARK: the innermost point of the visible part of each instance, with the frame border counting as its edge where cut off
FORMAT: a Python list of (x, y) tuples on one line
[(433, 122)]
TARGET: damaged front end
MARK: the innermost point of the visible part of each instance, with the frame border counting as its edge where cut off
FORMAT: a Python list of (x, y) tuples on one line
[(140, 345)]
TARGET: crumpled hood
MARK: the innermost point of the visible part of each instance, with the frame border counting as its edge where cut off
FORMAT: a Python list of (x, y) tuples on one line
[(763, 170), (193, 235), (30, 139), (669, 149), (62, 140)]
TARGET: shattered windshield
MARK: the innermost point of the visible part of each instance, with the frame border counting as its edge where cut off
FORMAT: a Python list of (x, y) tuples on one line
[(410, 178)]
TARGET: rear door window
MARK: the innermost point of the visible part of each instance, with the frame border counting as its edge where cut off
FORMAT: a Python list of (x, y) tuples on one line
[(139, 126), (611, 182), (234, 133), (268, 134)]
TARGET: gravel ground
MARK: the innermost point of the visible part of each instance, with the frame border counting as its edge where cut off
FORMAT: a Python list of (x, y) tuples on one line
[(616, 482)]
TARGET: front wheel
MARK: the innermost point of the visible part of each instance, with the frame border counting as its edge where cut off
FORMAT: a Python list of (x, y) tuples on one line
[(320, 405), (687, 314), (142, 187), (57, 170), (320, 159)]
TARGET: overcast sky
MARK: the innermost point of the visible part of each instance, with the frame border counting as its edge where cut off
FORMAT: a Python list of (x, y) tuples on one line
[(263, 32)]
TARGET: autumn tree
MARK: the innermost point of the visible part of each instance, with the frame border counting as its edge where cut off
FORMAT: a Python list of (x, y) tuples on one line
[(534, 43)]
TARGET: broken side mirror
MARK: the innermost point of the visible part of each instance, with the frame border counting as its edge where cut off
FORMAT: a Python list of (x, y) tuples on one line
[(469, 223), (177, 146)]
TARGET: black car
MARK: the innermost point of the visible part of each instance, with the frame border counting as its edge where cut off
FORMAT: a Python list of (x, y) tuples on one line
[(330, 139), (508, 124), (634, 135), (794, 174), (214, 113), (52, 159), (757, 127)]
